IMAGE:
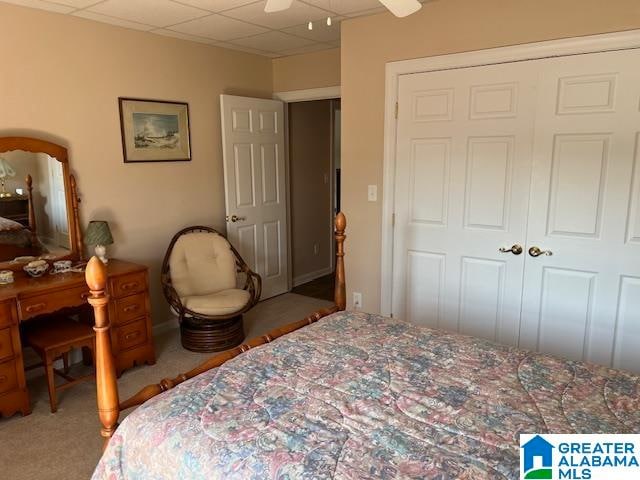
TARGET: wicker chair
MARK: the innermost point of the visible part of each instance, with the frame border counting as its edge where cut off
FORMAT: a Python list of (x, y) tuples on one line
[(200, 279)]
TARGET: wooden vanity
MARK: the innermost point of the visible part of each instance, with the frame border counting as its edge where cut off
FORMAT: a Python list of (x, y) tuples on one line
[(29, 298)]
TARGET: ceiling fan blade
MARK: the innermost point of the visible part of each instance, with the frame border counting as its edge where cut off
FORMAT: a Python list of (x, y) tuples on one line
[(277, 5), (402, 8)]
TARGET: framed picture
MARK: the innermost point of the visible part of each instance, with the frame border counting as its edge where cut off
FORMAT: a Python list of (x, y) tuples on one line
[(154, 131)]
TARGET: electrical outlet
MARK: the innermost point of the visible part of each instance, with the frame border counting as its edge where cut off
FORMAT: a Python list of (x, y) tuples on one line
[(316, 249), (357, 300)]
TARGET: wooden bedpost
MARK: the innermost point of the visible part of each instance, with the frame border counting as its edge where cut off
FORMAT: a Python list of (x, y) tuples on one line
[(31, 211), (107, 387), (340, 295), (75, 200)]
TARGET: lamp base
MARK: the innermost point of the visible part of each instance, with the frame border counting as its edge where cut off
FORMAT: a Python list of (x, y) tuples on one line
[(101, 253)]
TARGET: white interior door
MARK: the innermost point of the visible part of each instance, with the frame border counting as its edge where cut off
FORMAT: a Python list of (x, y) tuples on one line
[(254, 178), (59, 222), (463, 165), (468, 156), (583, 302)]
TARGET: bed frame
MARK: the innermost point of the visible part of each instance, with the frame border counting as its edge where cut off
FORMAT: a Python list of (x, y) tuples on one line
[(110, 405)]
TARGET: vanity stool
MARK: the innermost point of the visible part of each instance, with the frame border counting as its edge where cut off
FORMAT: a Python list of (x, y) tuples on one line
[(53, 338)]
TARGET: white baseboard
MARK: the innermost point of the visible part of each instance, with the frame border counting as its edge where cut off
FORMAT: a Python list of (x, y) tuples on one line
[(307, 277)]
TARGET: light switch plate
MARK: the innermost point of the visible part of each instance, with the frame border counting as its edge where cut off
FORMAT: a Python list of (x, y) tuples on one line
[(372, 193)]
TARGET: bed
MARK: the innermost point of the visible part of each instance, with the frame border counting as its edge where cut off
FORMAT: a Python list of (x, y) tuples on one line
[(354, 395), (16, 239)]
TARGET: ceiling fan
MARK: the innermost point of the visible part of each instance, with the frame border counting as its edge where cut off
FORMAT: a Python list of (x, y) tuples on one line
[(400, 8)]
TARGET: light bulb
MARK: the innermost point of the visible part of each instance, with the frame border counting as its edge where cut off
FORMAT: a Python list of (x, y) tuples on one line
[(310, 26), (328, 21)]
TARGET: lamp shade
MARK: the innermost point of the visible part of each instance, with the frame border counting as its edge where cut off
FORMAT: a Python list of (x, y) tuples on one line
[(98, 233), (6, 170)]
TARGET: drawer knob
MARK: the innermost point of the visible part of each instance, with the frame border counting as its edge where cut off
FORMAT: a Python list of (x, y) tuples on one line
[(132, 335), (3, 378), (84, 295), (129, 286), (131, 308), (35, 307)]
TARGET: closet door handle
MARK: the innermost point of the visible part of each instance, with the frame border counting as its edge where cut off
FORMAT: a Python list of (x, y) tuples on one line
[(515, 249), (536, 252)]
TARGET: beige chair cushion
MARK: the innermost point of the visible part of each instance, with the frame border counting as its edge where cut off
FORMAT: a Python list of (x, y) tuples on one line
[(202, 263), (219, 303)]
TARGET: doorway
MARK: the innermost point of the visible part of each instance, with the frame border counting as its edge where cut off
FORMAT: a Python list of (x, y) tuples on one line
[(314, 189)]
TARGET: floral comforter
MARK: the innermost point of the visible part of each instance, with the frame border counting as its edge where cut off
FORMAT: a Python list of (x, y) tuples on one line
[(361, 396)]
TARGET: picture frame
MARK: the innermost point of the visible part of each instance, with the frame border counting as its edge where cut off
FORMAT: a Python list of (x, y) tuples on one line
[(154, 130)]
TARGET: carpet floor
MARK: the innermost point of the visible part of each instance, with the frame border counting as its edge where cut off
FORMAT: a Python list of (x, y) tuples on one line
[(67, 444)]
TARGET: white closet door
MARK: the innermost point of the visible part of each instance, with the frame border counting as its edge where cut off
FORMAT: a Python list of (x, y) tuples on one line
[(463, 160), (583, 301), (254, 180)]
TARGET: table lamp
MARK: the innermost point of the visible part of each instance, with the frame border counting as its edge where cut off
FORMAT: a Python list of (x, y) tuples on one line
[(98, 234), (6, 170)]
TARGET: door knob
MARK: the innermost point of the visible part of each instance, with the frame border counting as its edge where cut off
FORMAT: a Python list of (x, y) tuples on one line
[(536, 252), (515, 249), (235, 218)]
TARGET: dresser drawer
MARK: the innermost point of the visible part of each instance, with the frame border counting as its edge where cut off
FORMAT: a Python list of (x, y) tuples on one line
[(6, 316), (130, 308), (128, 284), (6, 344), (132, 334), (8, 376), (53, 301)]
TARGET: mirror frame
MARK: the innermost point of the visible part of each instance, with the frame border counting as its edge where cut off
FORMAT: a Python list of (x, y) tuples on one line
[(35, 145)]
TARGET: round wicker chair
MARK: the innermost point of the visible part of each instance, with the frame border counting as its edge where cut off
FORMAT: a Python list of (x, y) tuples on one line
[(200, 276)]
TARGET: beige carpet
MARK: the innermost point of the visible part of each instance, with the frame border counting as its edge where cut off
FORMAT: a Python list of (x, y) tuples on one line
[(67, 444)]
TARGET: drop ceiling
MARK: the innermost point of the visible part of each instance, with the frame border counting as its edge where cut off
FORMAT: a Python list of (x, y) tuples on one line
[(235, 24)]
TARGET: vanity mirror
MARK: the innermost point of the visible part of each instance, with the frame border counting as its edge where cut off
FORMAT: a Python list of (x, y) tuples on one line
[(38, 203)]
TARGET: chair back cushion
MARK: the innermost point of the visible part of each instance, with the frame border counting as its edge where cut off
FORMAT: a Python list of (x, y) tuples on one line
[(202, 263)]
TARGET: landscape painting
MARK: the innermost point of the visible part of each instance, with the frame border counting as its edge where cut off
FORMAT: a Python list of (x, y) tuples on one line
[(154, 131)]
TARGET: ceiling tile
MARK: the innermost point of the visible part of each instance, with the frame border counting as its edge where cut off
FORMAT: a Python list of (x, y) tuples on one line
[(297, 14), (159, 13), (112, 20), (363, 13), (218, 27), (345, 6), (52, 7), (183, 36), (273, 42), (321, 31), (215, 5)]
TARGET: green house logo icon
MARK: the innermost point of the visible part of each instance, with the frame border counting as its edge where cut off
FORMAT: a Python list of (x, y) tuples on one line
[(539, 448)]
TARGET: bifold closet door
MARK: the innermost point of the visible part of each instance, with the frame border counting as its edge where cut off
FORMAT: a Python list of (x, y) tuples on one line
[(583, 301), (255, 188), (463, 167)]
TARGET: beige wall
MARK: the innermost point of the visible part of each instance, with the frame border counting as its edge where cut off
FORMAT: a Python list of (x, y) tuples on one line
[(309, 165), (311, 70), (61, 77), (442, 26)]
